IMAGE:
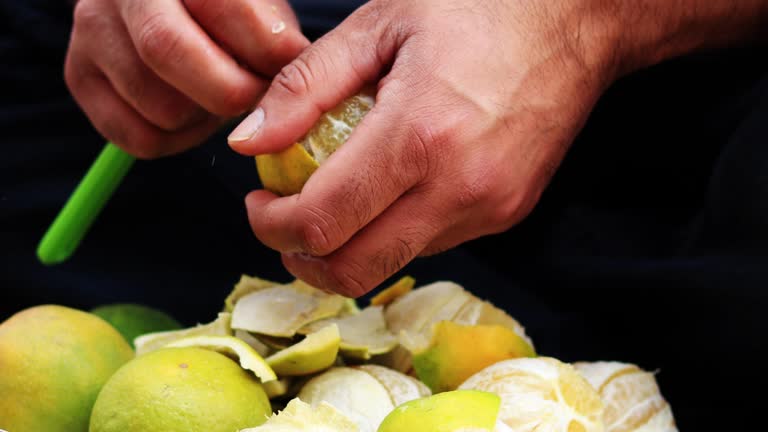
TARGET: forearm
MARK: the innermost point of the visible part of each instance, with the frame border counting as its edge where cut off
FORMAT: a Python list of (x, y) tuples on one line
[(656, 30), (620, 36)]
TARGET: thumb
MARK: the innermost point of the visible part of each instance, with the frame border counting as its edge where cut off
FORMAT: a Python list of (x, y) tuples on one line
[(332, 69)]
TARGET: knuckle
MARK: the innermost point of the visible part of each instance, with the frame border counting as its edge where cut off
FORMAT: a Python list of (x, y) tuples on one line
[(474, 190), (318, 231), (158, 42), (422, 139), (295, 78), (510, 212)]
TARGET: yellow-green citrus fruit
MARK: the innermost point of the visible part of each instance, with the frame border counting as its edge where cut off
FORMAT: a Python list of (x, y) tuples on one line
[(285, 173), (53, 362), (180, 390), (459, 410), (457, 352), (134, 320)]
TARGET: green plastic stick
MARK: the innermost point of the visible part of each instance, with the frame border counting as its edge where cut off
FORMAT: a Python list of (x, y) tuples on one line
[(70, 226)]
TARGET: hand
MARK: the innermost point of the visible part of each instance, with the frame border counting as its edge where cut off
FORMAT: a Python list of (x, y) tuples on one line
[(157, 77), (477, 105)]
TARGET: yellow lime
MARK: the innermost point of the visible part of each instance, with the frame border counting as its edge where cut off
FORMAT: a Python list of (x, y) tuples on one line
[(180, 390), (457, 352), (286, 172), (459, 410), (133, 320)]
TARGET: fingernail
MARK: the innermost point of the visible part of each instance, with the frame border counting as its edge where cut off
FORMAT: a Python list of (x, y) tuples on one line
[(248, 127)]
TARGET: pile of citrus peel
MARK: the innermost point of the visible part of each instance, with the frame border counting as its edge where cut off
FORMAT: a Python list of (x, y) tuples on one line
[(434, 358)]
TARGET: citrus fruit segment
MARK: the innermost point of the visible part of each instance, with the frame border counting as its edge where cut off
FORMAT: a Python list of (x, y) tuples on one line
[(286, 172), (54, 361), (180, 389), (314, 353), (133, 320), (299, 416), (457, 352), (246, 285), (541, 394), (459, 410), (282, 310), (401, 388), (403, 286), (231, 347), (362, 335), (632, 399), (355, 393), (154, 341)]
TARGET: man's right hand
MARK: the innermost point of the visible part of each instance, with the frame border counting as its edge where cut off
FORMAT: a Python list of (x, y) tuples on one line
[(157, 77)]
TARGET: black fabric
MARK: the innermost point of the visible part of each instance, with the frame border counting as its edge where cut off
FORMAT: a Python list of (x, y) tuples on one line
[(649, 246)]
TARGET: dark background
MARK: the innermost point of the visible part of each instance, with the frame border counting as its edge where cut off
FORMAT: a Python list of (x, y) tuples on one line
[(650, 246)]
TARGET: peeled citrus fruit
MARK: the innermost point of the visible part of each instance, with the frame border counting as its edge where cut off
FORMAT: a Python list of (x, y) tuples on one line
[(459, 410), (134, 320), (180, 389), (286, 172), (53, 362), (314, 353), (365, 395), (541, 394), (633, 402), (299, 416), (457, 352)]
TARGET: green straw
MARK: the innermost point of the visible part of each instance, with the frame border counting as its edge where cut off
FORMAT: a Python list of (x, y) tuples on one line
[(75, 219)]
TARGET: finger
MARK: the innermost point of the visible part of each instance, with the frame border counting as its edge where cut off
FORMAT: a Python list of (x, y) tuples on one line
[(119, 123), (170, 42), (114, 54), (377, 252), (261, 34), (333, 68), (379, 163)]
